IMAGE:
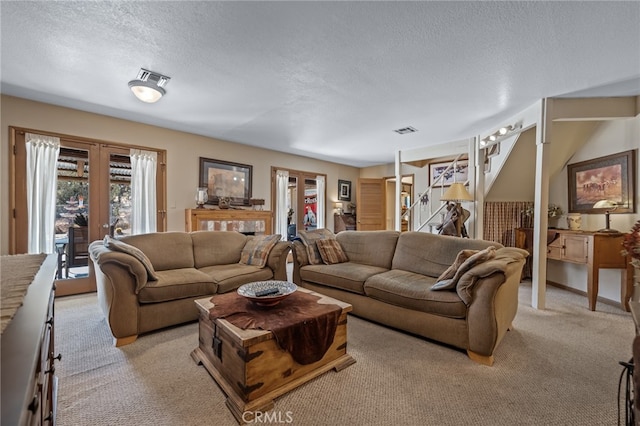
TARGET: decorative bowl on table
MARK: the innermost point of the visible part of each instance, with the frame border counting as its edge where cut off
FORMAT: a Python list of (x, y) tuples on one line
[(267, 293)]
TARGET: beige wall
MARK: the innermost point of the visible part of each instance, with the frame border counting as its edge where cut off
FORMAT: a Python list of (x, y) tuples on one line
[(183, 152), (609, 137)]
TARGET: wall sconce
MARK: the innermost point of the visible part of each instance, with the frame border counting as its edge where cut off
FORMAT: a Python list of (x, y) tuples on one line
[(338, 207), (610, 206), (500, 134), (149, 86)]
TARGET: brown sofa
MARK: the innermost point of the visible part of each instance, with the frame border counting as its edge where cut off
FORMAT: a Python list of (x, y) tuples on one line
[(388, 279), (187, 266)]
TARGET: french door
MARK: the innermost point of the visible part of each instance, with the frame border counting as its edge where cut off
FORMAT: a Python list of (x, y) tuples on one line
[(303, 209), (93, 200)]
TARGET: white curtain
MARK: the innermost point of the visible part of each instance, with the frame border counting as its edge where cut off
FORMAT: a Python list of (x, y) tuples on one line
[(282, 183), (42, 182), (320, 214), (143, 191)]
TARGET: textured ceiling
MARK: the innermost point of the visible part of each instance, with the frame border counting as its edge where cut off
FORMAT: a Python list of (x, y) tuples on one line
[(329, 80)]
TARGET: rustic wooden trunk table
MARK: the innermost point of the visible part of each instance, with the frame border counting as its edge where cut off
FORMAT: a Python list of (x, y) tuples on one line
[(252, 369)]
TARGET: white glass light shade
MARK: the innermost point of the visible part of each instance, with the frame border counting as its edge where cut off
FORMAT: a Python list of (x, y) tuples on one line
[(146, 91)]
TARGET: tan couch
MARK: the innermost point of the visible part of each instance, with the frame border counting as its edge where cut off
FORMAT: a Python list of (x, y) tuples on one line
[(188, 266), (388, 279)]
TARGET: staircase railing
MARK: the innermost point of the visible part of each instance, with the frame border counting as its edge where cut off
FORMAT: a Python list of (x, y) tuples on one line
[(425, 198)]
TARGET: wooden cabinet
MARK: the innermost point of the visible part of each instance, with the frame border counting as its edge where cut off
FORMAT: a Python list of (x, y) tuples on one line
[(596, 250), (344, 222), (29, 384), (250, 222)]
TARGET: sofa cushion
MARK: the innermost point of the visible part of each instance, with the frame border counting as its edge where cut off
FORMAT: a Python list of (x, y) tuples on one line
[(475, 259), (257, 249), (217, 247), (165, 250), (116, 245), (177, 284), (374, 248), (309, 239), (331, 251), (230, 277), (431, 254), (346, 276), (412, 291)]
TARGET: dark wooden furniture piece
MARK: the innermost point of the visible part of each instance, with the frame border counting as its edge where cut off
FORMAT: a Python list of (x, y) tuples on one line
[(252, 369), (344, 222), (597, 251), (77, 248), (29, 385)]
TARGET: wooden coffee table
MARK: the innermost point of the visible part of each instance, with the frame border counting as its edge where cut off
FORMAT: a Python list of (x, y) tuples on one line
[(252, 369)]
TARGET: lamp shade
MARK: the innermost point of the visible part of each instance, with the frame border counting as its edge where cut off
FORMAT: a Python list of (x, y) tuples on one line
[(605, 204), (338, 205), (456, 192)]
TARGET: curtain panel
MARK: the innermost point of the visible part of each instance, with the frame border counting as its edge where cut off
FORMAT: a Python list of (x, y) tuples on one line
[(143, 191), (502, 217), (42, 183), (282, 209)]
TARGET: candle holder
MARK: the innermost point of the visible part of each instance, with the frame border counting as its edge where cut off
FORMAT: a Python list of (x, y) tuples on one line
[(201, 197)]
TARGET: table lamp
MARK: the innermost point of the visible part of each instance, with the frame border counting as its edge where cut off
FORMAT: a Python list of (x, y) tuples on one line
[(609, 206), (457, 193), (338, 207)]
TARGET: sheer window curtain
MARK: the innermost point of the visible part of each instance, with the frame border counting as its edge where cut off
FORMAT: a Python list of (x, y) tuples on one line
[(143, 191), (320, 214), (282, 184), (42, 182)]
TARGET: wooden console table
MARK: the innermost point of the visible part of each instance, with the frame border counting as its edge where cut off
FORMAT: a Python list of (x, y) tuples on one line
[(597, 250), (252, 222)]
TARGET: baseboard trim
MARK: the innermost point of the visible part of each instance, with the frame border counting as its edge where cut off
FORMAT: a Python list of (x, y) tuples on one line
[(583, 293)]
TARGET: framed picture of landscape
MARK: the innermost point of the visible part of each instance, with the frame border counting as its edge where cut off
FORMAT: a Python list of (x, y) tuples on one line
[(226, 179), (609, 178)]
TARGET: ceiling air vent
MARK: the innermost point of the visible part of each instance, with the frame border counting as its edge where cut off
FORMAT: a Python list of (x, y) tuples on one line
[(406, 130)]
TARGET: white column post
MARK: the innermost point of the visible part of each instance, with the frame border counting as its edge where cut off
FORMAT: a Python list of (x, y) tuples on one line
[(398, 215)]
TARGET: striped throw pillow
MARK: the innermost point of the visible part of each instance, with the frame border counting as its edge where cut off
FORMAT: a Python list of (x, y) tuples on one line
[(331, 251), (309, 239)]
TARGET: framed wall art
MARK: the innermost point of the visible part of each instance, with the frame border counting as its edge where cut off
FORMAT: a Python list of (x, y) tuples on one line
[(609, 178), (226, 179), (344, 190), (458, 173)]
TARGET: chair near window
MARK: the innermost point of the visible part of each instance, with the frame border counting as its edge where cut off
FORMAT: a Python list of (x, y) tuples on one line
[(77, 248)]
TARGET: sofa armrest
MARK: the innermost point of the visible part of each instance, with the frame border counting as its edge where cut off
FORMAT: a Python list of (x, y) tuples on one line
[(493, 308), (117, 277), (300, 259), (102, 255), (277, 260)]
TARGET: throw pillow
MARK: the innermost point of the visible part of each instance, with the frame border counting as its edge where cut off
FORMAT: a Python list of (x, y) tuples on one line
[(121, 246), (309, 239), (256, 250), (470, 262), (331, 251)]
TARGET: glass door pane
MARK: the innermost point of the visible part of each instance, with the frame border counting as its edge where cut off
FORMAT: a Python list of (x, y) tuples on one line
[(119, 195), (292, 208), (72, 213), (310, 218)]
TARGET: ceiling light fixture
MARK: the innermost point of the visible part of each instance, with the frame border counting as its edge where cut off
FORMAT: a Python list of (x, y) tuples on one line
[(149, 86), (502, 133)]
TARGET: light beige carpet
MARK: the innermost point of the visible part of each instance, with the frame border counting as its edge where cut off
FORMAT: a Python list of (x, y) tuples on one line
[(558, 367)]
